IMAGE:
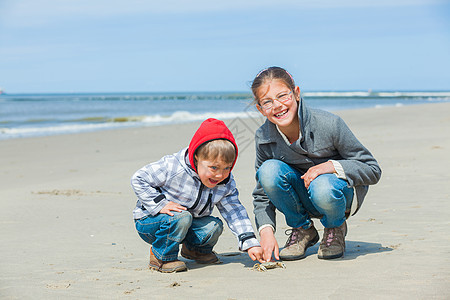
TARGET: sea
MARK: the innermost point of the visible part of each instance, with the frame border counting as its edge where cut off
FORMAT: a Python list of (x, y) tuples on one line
[(32, 115)]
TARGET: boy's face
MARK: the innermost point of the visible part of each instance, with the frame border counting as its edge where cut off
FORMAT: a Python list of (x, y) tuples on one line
[(212, 172)]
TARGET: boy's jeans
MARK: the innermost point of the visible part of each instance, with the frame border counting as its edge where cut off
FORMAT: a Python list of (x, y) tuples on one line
[(165, 233), (327, 197)]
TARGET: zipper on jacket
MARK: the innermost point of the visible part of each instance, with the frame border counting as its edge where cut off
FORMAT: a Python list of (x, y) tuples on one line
[(199, 196), (208, 204)]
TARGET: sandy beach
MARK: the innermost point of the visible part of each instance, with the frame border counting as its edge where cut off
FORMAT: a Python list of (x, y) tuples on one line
[(67, 230)]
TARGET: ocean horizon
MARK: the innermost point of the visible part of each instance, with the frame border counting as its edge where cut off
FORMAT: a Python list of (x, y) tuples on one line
[(42, 114)]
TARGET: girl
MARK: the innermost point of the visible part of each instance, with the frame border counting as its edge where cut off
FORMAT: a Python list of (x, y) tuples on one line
[(308, 165)]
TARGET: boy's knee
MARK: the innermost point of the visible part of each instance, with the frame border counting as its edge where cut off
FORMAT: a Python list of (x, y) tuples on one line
[(217, 231), (183, 219), (218, 227)]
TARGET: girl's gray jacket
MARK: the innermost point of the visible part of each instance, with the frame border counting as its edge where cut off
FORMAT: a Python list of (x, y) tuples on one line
[(172, 179), (324, 137)]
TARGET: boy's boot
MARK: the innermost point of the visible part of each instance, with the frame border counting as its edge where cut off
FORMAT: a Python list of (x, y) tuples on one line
[(165, 266), (299, 240), (201, 258), (333, 242)]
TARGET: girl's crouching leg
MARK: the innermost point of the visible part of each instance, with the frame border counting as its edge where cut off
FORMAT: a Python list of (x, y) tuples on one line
[(331, 197)]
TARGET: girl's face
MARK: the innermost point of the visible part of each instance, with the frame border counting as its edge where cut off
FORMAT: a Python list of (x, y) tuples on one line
[(284, 102)]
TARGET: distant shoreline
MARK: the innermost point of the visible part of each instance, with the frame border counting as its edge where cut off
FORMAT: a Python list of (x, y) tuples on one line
[(312, 93), (24, 116)]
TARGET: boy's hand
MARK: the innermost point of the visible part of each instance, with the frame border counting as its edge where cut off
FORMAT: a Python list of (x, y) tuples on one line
[(172, 206), (256, 253), (269, 244)]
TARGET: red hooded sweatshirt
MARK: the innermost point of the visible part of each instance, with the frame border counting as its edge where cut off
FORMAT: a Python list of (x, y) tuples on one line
[(210, 129)]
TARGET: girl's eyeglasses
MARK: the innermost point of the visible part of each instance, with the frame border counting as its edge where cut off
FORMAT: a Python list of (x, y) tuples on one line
[(268, 103)]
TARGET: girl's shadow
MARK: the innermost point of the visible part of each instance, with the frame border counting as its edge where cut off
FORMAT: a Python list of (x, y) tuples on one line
[(352, 251)]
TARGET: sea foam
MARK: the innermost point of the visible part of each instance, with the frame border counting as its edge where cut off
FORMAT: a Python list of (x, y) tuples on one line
[(177, 117)]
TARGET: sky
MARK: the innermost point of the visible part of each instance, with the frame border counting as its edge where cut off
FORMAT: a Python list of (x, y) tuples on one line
[(70, 46)]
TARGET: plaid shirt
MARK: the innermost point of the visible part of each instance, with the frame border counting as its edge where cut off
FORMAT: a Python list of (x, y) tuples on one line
[(172, 179)]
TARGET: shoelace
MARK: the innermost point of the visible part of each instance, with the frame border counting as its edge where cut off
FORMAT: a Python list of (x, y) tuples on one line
[(293, 236), (331, 236)]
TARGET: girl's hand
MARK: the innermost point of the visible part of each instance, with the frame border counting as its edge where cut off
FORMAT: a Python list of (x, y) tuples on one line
[(172, 206), (255, 253), (269, 244), (313, 172)]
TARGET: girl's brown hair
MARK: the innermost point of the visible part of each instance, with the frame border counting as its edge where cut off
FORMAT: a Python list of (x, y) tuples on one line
[(268, 75)]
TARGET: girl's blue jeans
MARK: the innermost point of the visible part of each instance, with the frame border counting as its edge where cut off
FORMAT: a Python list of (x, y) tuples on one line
[(165, 233), (327, 198)]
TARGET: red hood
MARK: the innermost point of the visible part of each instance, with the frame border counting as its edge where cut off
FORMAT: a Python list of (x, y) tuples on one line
[(210, 129)]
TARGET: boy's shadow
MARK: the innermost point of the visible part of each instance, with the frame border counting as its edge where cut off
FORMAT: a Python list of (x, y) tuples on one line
[(353, 249), (224, 258)]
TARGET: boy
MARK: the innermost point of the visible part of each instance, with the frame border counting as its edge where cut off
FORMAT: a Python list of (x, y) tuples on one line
[(176, 196)]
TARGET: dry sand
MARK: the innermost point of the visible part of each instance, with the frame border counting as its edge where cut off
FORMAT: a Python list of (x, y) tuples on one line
[(67, 230)]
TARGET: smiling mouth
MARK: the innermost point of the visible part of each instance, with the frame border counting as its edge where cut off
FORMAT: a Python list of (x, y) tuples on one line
[(213, 181), (280, 114)]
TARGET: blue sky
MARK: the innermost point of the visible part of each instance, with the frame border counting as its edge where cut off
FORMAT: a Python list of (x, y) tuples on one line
[(197, 45)]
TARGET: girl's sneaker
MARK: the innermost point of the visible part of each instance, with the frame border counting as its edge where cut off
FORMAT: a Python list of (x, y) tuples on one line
[(299, 240), (333, 242)]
